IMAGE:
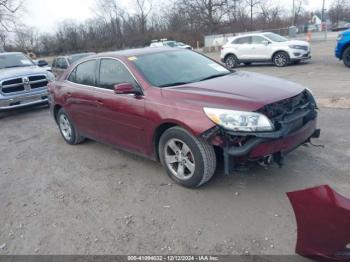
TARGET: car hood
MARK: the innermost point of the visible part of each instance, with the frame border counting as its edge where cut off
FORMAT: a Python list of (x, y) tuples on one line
[(240, 91), (295, 42), (20, 71)]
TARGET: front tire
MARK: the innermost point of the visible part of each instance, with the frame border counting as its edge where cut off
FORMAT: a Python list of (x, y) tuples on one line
[(231, 61), (346, 57), (188, 160), (281, 59), (68, 131)]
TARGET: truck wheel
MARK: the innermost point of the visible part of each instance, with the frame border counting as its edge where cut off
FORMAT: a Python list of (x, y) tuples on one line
[(281, 59), (189, 161), (346, 57), (231, 61), (68, 131)]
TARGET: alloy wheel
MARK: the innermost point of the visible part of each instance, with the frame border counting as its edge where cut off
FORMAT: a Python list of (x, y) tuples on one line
[(280, 60), (179, 159), (231, 62), (65, 127)]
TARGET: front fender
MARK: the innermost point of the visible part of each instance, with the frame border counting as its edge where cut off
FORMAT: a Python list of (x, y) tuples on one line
[(323, 222)]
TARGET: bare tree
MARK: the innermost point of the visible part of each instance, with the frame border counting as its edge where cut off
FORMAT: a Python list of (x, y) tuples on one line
[(298, 10), (8, 10), (340, 10), (26, 38), (271, 13), (143, 9), (113, 16), (208, 13), (252, 4)]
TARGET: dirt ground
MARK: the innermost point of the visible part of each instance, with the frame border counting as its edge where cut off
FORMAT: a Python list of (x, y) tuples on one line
[(93, 199)]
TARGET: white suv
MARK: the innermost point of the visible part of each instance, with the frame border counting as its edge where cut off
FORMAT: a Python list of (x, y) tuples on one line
[(264, 47)]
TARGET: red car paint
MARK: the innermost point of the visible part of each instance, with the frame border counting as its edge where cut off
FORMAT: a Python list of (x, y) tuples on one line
[(323, 221), (132, 122)]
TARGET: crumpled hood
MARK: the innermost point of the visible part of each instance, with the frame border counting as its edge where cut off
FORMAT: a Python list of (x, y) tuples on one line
[(240, 90), (20, 71)]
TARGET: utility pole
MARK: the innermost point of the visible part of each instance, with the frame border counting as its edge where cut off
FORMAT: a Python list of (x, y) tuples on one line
[(293, 15), (324, 20)]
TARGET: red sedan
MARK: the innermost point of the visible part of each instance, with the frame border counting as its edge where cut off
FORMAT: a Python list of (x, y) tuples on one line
[(182, 108)]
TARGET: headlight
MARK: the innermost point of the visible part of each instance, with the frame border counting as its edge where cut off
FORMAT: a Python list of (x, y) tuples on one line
[(50, 76), (239, 120), (297, 47), (339, 37)]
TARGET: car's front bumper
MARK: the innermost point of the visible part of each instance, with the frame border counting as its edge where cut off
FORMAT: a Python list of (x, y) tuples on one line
[(264, 145), (299, 55), (23, 99)]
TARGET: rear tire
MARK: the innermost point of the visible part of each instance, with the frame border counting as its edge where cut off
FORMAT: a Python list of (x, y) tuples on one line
[(189, 161), (231, 61), (281, 59), (68, 131), (346, 57)]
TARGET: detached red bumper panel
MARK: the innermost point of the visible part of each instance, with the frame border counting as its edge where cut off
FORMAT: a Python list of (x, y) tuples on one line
[(285, 144), (323, 221)]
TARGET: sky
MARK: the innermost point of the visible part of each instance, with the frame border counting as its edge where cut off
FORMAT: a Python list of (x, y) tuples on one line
[(46, 14)]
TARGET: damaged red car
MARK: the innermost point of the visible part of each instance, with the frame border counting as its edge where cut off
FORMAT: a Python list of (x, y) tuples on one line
[(183, 109)]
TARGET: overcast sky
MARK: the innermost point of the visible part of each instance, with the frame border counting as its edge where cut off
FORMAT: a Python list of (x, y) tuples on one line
[(46, 14)]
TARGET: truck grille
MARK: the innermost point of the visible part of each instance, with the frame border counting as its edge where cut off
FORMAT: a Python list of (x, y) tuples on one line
[(23, 84)]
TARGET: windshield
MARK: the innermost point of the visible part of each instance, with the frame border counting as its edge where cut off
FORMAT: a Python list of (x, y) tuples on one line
[(177, 68), (171, 43), (14, 60), (276, 38), (76, 57)]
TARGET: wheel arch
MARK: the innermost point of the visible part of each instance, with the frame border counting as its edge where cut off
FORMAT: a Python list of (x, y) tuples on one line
[(228, 54), (278, 51), (161, 128), (56, 108), (346, 46)]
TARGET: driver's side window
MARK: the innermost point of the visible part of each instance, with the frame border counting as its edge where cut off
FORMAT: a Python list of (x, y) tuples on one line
[(113, 72)]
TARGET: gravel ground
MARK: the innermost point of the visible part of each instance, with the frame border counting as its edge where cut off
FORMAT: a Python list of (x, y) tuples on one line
[(93, 199)]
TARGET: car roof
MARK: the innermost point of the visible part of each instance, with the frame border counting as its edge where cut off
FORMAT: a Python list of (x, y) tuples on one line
[(136, 52), (252, 34)]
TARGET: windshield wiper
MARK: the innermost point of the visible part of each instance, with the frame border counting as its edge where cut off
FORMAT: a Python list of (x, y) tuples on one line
[(214, 76), (174, 84)]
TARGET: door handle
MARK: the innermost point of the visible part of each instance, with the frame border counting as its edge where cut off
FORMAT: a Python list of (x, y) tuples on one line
[(99, 103), (69, 94)]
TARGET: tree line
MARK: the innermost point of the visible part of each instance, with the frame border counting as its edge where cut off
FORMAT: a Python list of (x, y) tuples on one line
[(113, 27)]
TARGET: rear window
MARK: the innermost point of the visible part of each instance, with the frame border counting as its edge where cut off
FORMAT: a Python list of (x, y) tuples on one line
[(243, 40)]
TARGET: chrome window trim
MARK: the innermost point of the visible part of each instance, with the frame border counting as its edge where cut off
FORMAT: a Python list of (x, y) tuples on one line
[(100, 88)]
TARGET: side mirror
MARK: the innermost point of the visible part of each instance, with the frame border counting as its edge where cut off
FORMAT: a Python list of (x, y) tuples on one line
[(265, 42), (124, 88), (42, 63)]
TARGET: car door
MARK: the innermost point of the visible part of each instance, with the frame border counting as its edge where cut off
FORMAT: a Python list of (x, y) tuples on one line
[(242, 47), (120, 117), (80, 99), (261, 49)]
